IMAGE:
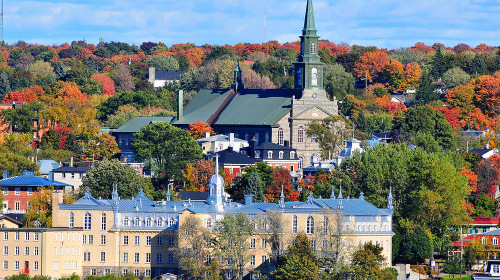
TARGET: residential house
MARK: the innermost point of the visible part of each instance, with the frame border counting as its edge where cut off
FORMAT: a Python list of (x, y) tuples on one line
[(234, 162), (281, 156), (73, 176), (485, 153), (162, 78), (212, 144)]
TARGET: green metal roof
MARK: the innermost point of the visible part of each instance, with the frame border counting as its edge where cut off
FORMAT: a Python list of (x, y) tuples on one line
[(135, 124), (247, 107), (203, 105)]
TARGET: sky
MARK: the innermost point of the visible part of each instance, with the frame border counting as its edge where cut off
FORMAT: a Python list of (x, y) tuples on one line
[(388, 24)]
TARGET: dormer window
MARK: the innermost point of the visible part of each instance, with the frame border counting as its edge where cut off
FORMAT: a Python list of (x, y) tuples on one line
[(313, 48), (257, 154), (270, 154), (292, 155), (281, 155)]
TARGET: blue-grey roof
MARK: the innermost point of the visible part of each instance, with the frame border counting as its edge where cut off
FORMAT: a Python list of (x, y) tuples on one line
[(135, 124), (47, 165), (29, 180), (168, 75)]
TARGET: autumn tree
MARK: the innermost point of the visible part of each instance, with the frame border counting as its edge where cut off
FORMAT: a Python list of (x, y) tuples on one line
[(39, 214), (199, 128), (106, 82), (198, 174), (280, 178), (367, 264), (455, 77), (371, 65), (299, 262), (122, 78), (461, 97), (328, 133)]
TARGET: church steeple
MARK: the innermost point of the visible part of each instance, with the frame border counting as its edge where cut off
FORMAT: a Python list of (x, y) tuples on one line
[(308, 67)]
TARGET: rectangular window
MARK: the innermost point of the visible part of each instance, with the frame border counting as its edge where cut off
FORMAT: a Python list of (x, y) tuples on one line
[(136, 272), (17, 236), (107, 271), (103, 256), (16, 251), (17, 205), (26, 236), (148, 240), (36, 236), (91, 239), (84, 239), (125, 257), (35, 265), (147, 272), (55, 251), (264, 260), (5, 265), (30, 191), (16, 265), (55, 238), (264, 244), (136, 242), (86, 256), (136, 257), (5, 190), (5, 250), (159, 241), (170, 258), (158, 258), (252, 260), (35, 251), (18, 191), (148, 257), (26, 251), (252, 243), (103, 239), (171, 241), (125, 240), (5, 236)]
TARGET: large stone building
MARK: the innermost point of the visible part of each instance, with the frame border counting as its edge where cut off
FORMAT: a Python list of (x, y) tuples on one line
[(141, 237), (269, 115)]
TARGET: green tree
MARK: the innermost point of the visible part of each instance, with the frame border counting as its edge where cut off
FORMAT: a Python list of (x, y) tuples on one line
[(417, 245), (426, 142), (39, 214), (166, 149), (101, 178), (441, 62), (426, 119), (299, 262), (16, 164), (337, 81), (4, 85), (366, 264), (163, 62), (328, 134), (254, 187), (455, 77), (193, 245), (21, 119), (426, 91), (232, 234)]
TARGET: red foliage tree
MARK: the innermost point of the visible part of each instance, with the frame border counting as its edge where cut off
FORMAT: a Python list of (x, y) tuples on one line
[(106, 82), (199, 128), (280, 177)]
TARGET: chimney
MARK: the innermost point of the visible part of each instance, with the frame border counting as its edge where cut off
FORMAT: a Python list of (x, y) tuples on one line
[(152, 75), (51, 177), (248, 199), (57, 197), (286, 143), (5, 174), (231, 139), (180, 104), (207, 134), (252, 145), (71, 162)]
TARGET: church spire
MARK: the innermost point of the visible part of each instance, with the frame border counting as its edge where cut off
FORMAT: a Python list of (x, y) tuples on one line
[(309, 20)]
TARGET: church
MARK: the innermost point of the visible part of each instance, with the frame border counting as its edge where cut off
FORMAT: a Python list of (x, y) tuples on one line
[(279, 116)]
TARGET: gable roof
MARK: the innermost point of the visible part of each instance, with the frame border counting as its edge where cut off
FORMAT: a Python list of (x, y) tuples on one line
[(135, 124), (29, 180), (203, 105), (168, 75), (13, 220), (47, 165), (231, 157)]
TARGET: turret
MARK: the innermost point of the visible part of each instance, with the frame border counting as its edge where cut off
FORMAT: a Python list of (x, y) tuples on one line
[(389, 199), (238, 81), (332, 195)]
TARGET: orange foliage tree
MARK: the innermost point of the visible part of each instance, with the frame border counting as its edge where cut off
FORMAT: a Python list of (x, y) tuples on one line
[(371, 65), (487, 93), (106, 82), (199, 128), (27, 95), (280, 177), (197, 175), (389, 106), (461, 98)]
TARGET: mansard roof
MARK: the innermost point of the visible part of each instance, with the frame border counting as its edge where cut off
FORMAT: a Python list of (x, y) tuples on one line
[(30, 180)]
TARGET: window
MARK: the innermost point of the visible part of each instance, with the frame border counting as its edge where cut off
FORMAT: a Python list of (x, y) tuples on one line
[(137, 222), (125, 271), (314, 139), (36, 236), (136, 257), (325, 244), (35, 251), (125, 240), (247, 137), (158, 258), (71, 220), (300, 135), (26, 251), (280, 136), (159, 272), (5, 265), (125, 257), (35, 265), (103, 221), (159, 241), (313, 48), (252, 243), (103, 239), (91, 239), (55, 251), (26, 236), (103, 256), (171, 222), (5, 250), (314, 77), (148, 222), (325, 225), (294, 224), (148, 240), (107, 271), (5, 190), (136, 240), (30, 191), (252, 260), (87, 225), (17, 205), (209, 223), (84, 239), (313, 245), (257, 138), (281, 154), (266, 137), (5, 236), (125, 221), (495, 241), (16, 265), (16, 251), (264, 260), (207, 259), (301, 161), (159, 222), (18, 191), (310, 225), (264, 244), (257, 154), (483, 240), (17, 236), (229, 275), (147, 272), (170, 258), (148, 257), (136, 272), (171, 241), (270, 154), (292, 168), (229, 261)]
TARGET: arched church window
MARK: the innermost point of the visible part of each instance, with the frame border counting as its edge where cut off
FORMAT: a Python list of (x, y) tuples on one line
[(314, 77), (313, 48), (300, 135), (310, 225), (247, 137)]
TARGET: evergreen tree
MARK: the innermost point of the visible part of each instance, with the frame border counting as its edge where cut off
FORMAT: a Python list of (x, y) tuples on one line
[(478, 66), (4, 85), (426, 91), (60, 71), (254, 187)]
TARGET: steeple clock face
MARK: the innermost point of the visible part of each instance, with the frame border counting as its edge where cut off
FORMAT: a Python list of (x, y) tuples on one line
[(315, 95)]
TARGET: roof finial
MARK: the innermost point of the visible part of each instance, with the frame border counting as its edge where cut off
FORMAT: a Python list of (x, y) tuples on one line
[(114, 194), (216, 164), (340, 193), (389, 199), (282, 198), (168, 192), (332, 195)]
